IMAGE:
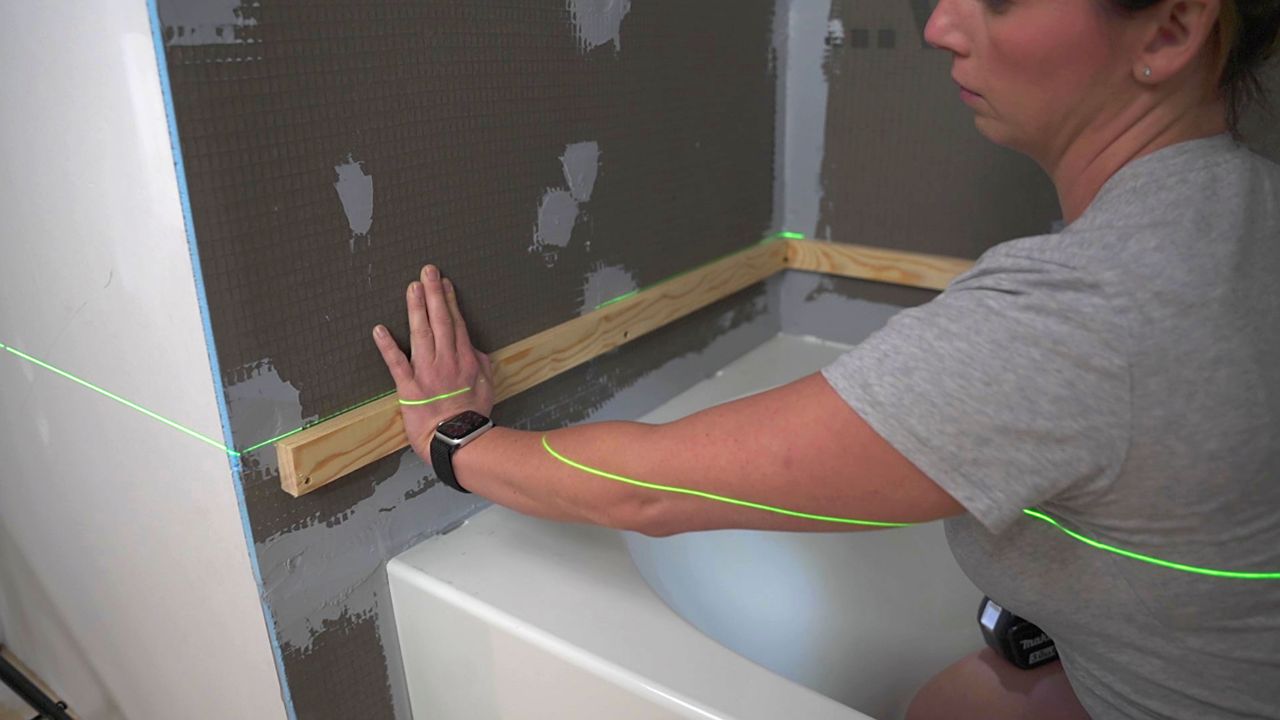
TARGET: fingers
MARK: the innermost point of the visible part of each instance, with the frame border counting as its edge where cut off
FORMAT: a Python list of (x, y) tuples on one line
[(422, 344), (397, 363), (440, 319), (461, 340)]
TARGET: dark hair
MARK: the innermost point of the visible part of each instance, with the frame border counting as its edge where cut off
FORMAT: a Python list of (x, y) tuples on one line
[(1248, 35)]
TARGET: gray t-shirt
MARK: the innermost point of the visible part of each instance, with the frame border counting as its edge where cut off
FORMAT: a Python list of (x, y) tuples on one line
[(1122, 375)]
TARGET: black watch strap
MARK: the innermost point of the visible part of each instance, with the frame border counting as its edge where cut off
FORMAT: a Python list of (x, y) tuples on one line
[(442, 463)]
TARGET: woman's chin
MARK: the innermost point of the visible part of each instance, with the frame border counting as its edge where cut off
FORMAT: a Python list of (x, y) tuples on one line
[(994, 131)]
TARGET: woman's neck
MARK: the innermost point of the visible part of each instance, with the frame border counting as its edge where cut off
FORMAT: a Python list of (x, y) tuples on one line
[(1095, 155)]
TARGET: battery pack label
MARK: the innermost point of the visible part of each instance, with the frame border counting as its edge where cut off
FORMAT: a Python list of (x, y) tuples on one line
[(1044, 654), (1034, 642)]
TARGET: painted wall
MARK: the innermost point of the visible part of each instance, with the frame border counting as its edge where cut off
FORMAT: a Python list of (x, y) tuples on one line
[(125, 578)]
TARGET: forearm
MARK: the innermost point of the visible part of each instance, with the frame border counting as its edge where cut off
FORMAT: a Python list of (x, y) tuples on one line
[(654, 479), (796, 457), (755, 463), (512, 468)]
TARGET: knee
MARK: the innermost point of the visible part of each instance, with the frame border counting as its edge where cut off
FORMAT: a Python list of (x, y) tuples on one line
[(984, 685), (949, 694)]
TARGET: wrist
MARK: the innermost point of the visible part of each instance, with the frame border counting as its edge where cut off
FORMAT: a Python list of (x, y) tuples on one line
[(450, 437), (468, 463), (421, 443)]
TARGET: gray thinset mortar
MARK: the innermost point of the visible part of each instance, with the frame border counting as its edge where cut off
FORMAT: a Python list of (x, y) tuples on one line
[(355, 192), (209, 22), (305, 598), (581, 162), (557, 213), (296, 565), (310, 600), (834, 308), (599, 21), (368, 534), (560, 209), (315, 606), (604, 283), (264, 405)]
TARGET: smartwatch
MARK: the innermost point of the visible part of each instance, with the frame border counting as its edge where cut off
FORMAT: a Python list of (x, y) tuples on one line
[(451, 435)]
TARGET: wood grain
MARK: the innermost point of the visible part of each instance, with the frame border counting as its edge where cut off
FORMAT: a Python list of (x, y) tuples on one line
[(932, 272)]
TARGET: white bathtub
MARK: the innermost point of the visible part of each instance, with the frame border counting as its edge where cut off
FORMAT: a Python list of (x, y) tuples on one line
[(512, 617)]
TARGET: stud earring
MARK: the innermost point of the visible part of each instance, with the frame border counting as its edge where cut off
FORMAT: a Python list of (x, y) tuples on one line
[(1146, 72)]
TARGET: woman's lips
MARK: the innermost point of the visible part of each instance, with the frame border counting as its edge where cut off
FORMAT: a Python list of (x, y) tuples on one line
[(965, 93)]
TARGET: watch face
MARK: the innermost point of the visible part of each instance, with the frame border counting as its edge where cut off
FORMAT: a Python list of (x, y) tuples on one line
[(462, 425)]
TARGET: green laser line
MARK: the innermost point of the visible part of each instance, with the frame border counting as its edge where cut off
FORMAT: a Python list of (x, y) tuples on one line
[(1234, 574), (620, 298), (176, 425), (313, 423), (710, 496), (682, 273), (156, 416), (1149, 559), (437, 398), (1029, 511), (221, 446)]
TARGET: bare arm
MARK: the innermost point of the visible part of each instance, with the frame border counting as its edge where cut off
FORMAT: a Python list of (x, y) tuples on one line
[(799, 447)]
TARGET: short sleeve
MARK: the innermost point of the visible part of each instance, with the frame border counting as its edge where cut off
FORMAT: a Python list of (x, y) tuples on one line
[(1009, 388)]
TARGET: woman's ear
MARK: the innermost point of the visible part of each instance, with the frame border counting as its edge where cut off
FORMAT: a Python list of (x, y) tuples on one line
[(1176, 31)]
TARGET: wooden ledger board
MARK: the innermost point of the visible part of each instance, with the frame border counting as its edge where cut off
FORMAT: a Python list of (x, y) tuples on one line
[(325, 452)]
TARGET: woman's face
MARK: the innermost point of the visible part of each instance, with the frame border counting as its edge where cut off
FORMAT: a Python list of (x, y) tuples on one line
[(1038, 73)]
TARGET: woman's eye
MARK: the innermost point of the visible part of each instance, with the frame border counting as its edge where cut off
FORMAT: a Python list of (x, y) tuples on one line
[(997, 6)]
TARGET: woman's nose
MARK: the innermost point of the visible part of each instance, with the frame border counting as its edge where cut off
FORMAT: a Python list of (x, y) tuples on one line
[(942, 30)]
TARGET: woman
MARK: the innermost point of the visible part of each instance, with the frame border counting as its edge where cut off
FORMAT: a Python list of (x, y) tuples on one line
[(1120, 375)]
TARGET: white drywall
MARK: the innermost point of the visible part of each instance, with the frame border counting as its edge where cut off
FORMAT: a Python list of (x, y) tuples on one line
[(125, 579)]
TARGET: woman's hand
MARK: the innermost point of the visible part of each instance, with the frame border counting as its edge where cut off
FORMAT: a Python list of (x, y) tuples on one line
[(441, 363)]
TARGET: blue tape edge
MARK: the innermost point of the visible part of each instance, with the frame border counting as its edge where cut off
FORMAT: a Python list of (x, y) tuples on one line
[(180, 170)]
